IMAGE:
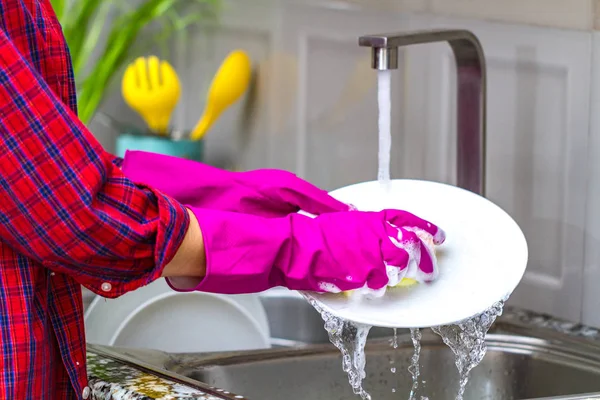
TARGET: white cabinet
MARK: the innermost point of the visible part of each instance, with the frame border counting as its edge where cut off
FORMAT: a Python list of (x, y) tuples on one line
[(538, 124)]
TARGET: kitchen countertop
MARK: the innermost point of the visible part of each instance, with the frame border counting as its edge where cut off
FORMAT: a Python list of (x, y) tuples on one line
[(112, 380)]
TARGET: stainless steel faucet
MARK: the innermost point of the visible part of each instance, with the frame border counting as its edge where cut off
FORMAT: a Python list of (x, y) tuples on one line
[(471, 96)]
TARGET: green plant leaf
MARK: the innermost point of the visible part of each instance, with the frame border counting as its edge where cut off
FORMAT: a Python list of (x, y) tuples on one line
[(59, 7), (96, 61), (91, 40)]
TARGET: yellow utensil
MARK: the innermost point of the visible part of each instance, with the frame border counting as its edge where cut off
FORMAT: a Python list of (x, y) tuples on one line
[(151, 88), (228, 85)]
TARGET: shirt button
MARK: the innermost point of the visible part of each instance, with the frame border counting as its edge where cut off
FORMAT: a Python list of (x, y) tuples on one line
[(106, 287), (86, 393)]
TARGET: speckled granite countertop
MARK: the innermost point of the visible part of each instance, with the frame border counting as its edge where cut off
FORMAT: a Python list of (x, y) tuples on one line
[(110, 379)]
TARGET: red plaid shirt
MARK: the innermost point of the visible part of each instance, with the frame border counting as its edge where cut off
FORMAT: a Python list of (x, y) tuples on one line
[(68, 216)]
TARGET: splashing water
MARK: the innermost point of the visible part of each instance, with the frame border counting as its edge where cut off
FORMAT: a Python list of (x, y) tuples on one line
[(467, 341), (350, 339), (385, 128), (415, 335)]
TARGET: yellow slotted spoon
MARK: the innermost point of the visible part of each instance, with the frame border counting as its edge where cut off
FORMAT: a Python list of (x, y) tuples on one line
[(151, 88), (228, 85)]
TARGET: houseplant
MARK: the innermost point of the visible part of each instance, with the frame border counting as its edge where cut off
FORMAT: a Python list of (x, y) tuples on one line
[(102, 35)]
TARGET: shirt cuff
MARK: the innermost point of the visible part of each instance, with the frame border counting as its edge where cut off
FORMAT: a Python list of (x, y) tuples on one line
[(172, 227)]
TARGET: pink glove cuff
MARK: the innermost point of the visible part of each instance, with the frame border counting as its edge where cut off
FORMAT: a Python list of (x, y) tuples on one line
[(241, 253)]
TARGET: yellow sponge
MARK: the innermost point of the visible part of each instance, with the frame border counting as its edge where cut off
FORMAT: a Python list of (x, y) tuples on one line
[(408, 282), (404, 283)]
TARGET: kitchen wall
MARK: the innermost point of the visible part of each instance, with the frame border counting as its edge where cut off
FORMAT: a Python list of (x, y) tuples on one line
[(313, 111)]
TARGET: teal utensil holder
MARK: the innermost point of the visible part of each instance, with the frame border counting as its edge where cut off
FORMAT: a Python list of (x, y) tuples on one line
[(184, 148)]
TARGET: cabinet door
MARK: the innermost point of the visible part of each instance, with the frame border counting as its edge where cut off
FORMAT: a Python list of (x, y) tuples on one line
[(537, 126), (240, 137), (332, 139), (538, 117)]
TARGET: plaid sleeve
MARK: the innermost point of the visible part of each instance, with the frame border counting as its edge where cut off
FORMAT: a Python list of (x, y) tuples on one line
[(64, 201)]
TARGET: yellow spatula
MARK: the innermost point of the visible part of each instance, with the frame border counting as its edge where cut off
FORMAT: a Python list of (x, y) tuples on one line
[(228, 85), (151, 87)]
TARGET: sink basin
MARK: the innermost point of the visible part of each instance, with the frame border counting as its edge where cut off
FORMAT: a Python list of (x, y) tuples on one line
[(514, 368)]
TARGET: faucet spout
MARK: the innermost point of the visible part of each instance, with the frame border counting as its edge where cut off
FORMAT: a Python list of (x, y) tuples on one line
[(471, 93)]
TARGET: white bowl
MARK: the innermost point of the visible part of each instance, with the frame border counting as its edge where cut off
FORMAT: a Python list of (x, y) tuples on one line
[(156, 317)]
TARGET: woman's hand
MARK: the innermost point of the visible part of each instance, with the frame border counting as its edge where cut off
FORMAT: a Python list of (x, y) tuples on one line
[(265, 193), (332, 252)]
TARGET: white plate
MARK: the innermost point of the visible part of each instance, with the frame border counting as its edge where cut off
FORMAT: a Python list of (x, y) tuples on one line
[(481, 262), (159, 318)]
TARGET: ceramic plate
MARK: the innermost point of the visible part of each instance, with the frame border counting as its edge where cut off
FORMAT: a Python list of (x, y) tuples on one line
[(159, 318), (481, 262)]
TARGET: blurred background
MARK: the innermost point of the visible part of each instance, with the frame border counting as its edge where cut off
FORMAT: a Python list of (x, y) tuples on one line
[(311, 105)]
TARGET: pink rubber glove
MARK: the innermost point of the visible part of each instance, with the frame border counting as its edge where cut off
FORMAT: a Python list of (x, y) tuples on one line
[(332, 252), (268, 193)]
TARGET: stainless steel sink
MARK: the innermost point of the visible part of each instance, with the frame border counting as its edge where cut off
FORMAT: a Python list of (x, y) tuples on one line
[(514, 368), (528, 358)]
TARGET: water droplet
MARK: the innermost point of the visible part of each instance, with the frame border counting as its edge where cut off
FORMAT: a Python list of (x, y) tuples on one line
[(415, 335)]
